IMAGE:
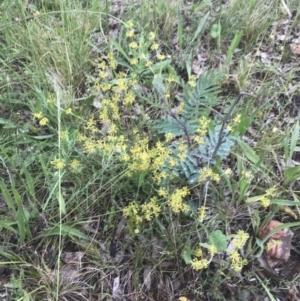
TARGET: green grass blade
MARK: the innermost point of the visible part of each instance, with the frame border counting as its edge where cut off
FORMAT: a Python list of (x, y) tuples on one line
[(294, 139), (179, 29), (120, 49), (201, 26), (7, 197), (61, 201), (234, 43)]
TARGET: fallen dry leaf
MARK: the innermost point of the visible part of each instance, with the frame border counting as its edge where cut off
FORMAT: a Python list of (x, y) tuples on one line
[(278, 245)]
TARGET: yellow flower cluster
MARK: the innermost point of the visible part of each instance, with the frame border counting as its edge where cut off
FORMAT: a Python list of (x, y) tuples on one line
[(202, 213), (266, 198), (202, 130), (58, 163), (151, 209), (192, 81), (240, 239), (198, 252), (199, 264), (208, 174), (234, 122), (176, 200), (182, 151), (136, 214), (237, 262), (183, 299), (238, 242), (142, 159), (42, 120), (112, 143)]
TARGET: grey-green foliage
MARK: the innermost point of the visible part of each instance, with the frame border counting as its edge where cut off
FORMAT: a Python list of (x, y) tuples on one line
[(197, 103)]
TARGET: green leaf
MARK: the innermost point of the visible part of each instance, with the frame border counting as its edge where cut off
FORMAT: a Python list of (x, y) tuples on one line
[(234, 43), (7, 196), (42, 137), (248, 151), (186, 255), (215, 31), (200, 26), (294, 140), (7, 225), (65, 230), (188, 64), (291, 174), (218, 239), (61, 202), (120, 49), (8, 124), (285, 202), (21, 225)]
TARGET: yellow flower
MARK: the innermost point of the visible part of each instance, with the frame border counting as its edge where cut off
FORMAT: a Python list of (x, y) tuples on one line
[(237, 119), (160, 56), (129, 24), (130, 33), (58, 163), (169, 137), (212, 250), (51, 99), (38, 115), (271, 192), (176, 201), (128, 99), (43, 121), (151, 209), (134, 61), (237, 262), (162, 192), (265, 201), (75, 164), (192, 81), (171, 78), (151, 36), (68, 111), (198, 252), (235, 256), (199, 264), (240, 239), (154, 46), (228, 172), (133, 45), (149, 64), (202, 213), (246, 174), (183, 299)]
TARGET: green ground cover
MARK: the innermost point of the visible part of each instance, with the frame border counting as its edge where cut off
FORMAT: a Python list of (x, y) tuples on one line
[(144, 144)]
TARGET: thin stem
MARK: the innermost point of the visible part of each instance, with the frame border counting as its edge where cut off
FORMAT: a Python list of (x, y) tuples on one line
[(224, 122), (183, 125)]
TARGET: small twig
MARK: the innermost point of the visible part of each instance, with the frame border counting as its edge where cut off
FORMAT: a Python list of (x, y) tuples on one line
[(183, 125), (224, 122)]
